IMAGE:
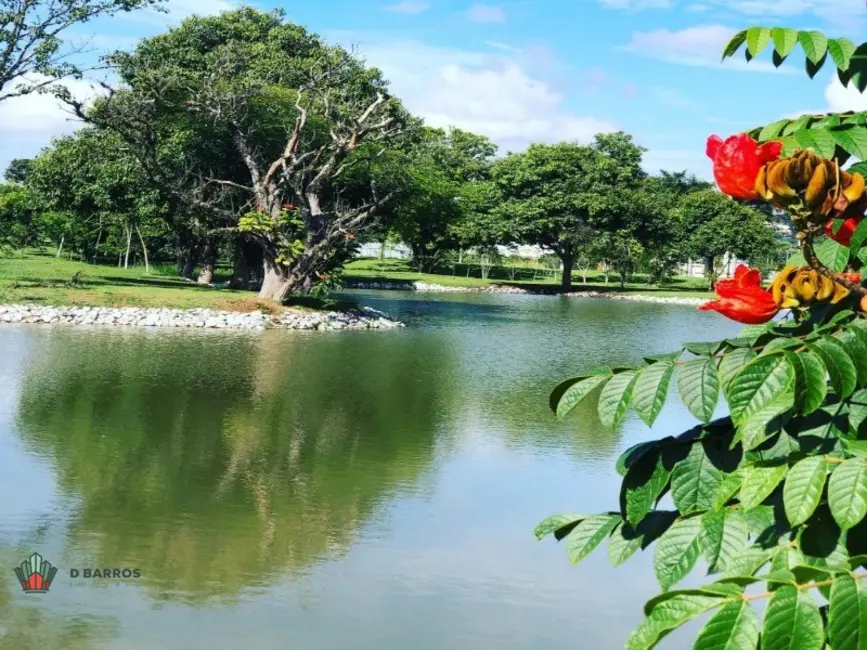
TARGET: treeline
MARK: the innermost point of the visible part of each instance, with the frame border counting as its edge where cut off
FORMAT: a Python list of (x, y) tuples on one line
[(246, 138)]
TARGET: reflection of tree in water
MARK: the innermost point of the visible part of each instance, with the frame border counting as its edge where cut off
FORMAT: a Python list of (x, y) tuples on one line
[(530, 423), (217, 463), (26, 625)]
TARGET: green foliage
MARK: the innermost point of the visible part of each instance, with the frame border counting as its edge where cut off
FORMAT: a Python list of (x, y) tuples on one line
[(775, 492)]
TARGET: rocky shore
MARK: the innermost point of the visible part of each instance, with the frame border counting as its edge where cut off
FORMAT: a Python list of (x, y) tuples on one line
[(364, 318), (440, 288)]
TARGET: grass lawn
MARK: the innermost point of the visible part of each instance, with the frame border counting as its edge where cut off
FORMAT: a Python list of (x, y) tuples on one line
[(42, 279), (370, 270)]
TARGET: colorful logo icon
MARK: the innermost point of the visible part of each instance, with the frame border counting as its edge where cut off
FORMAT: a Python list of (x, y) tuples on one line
[(35, 574)]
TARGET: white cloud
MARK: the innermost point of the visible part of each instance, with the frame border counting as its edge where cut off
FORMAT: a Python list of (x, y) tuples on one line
[(490, 94), (411, 7), (28, 123), (698, 8), (701, 45), (486, 14), (636, 5), (844, 98)]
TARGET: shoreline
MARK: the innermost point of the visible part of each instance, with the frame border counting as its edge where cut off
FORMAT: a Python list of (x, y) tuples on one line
[(364, 318), (424, 287)]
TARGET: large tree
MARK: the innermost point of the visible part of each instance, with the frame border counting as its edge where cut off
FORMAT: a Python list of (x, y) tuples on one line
[(101, 201), (32, 54), (439, 171), (713, 224), (555, 195), (293, 115)]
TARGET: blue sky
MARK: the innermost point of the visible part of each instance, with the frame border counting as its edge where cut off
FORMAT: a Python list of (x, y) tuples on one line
[(521, 71)]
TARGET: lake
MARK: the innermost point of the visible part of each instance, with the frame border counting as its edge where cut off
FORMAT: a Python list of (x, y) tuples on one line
[(324, 490)]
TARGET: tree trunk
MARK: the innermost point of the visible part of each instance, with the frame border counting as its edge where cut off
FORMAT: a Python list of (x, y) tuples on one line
[(98, 240), (382, 250), (128, 244), (623, 280), (189, 263), (144, 250), (209, 260), (568, 260), (240, 269), (710, 271), (277, 284), (60, 247)]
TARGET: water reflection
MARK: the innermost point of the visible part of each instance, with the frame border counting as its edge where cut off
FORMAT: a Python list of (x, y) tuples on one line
[(214, 464)]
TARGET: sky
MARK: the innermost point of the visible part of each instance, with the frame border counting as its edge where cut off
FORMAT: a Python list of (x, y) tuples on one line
[(522, 71)]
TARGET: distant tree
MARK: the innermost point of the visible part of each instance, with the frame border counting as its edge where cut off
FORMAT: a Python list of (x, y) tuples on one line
[(556, 196), (18, 227), (440, 169), (32, 54), (18, 170), (713, 224), (97, 196)]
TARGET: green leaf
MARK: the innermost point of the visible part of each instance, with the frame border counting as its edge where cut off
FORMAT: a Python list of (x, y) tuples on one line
[(703, 348), (803, 488), (819, 140), (853, 139), (858, 237), (792, 622), (796, 125), (626, 540), (634, 454), (757, 39), (556, 522), (760, 383), (847, 614), (841, 51), (643, 484), (857, 72), (614, 399), (748, 562), (856, 347), (785, 40), (723, 537), (815, 44), (695, 481), (841, 369), (752, 331), (651, 389), (572, 392), (810, 383), (731, 364), (813, 68), (677, 552), (588, 534), (730, 486), (736, 41), (847, 492), (772, 130), (832, 254), (734, 627), (766, 422), (668, 615), (698, 384), (759, 483)]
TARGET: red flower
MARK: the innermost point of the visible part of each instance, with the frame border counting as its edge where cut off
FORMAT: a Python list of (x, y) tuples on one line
[(737, 161), (845, 232), (852, 277), (743, 299), (288, 206)]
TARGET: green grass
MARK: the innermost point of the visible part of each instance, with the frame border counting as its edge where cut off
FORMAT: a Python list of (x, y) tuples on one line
[(42, 279), (373, 270)]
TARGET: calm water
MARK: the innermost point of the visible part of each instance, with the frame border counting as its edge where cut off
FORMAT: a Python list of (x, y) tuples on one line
[(323, 491)]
